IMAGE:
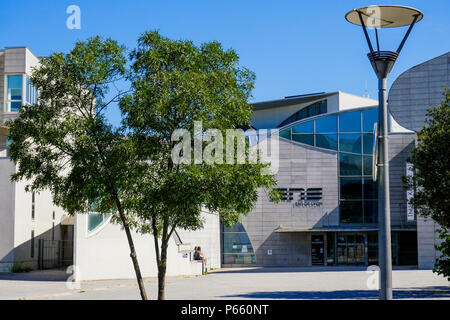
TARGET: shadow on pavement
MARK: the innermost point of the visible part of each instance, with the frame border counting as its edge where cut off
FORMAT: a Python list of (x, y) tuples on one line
[(301, 269), (44, 275), (410, 293)]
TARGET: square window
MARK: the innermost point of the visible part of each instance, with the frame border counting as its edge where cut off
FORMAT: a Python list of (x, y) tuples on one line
[(370, 117), (327, 141), (304, 138), (305, 127), (350, 122), (350, 142), (351, 211), (351, 188), (326, 124), (350, 164)]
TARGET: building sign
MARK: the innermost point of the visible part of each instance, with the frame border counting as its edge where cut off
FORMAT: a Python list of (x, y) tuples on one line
[(409, 194), (302, 197)]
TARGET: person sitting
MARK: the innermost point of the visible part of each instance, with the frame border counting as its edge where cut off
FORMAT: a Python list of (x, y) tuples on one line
[(198, 255)]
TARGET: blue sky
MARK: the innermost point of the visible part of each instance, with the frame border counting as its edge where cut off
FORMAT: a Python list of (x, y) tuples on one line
[(294, 47)]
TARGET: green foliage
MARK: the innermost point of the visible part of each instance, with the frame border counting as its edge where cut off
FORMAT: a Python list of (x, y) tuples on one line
[(19, 267), (431, 181), (431, 163), (174, 84), (442, 265), (64, 143)]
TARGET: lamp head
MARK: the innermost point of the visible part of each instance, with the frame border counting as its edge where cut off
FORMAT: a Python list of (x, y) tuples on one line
[(385, 16)]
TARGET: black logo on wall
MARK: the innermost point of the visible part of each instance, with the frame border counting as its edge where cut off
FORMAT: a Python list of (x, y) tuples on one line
[(303, 197)]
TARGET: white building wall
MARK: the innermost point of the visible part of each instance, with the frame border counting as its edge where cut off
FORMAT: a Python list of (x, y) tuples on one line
[(42, 224), (208, 239), (349, 101), (105, 254), (7, 190)]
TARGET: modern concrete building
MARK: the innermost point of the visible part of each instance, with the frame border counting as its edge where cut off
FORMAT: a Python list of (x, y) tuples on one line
[(329, 212), (328, 215), (36, 233), (26, 218), (421, 86)]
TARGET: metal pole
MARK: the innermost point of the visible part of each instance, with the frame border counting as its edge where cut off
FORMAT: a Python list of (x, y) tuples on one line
[(384, 214)]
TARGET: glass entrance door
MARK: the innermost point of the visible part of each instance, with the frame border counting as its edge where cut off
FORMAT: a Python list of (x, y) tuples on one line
[(350, 249), (317, 252)]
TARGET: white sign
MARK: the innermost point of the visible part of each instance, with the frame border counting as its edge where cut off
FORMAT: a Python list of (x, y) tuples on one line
[(269, 252), (410, 216)]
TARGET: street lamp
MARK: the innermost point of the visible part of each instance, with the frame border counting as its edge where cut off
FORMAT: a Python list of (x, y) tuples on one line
[(377, 17)]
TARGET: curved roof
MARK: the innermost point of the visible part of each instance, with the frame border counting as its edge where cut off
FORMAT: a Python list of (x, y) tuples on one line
[(418, 88)]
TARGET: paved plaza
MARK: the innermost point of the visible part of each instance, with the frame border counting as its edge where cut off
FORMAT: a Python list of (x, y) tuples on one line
[(248, 283)]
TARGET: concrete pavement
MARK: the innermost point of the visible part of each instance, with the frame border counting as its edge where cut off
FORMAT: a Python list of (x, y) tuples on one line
[(245, 283)]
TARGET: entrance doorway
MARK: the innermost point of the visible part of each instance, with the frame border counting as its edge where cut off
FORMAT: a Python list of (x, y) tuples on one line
[(317, 250), (350, 249)]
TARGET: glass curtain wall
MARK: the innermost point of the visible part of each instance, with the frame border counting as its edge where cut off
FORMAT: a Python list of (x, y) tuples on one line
[(349, 133), (237, 248)]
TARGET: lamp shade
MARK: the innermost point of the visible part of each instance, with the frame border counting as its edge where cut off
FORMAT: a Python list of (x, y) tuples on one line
[(384, 16)]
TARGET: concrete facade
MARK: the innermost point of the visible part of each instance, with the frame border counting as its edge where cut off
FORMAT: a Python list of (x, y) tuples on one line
[(300, 167), (417, 89), (411, 94), (20, 228), (282, 234)]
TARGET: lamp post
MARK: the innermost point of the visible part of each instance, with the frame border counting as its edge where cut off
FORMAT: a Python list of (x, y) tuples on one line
[(377, 17)]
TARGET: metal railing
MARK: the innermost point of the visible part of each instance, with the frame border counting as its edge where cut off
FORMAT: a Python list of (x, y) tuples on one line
[(54, 254)]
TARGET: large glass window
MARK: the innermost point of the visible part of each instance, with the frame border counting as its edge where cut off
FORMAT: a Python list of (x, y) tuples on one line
[(367, 163), (326, 124), (350, 164), (370, 211), (285, 134), (351, 188), (305, 127), (14, 95), (304, 138), (309, 111), (237, 248), (353, 141), (351, 211), (327, 141), (14, 87), (367, 143), (370, 189), (350, 142), (350, 122), (96, 220), (370, 117)]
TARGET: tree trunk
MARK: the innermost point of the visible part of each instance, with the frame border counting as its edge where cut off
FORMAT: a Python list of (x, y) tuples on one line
[(133, 255), (162, 270)]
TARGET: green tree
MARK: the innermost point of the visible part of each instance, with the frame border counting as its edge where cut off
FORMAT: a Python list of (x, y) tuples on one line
[(431, 181), (174, 84), (64, 143)]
